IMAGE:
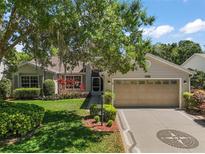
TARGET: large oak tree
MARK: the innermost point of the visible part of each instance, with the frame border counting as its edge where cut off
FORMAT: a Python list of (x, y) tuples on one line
[(105, 33)]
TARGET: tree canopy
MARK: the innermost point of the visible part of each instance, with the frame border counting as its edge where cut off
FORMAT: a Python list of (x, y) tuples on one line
[(105, 33), (177, 53)]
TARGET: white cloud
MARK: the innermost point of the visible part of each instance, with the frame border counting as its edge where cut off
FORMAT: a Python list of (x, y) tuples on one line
[(189, 38), (159, 31), (193, 27)]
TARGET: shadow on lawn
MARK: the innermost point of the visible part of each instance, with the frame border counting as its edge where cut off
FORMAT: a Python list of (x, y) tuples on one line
[(62, 131)]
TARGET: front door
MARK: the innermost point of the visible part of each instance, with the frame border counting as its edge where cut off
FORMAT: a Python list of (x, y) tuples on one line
[(96, 85)]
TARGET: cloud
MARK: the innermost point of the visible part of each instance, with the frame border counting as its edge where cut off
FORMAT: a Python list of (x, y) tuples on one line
[(159, 31), (193, 27), (189, 38)]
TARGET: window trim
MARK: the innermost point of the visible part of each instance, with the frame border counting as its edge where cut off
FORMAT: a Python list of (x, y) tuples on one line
[(81, 77), (29, 80)]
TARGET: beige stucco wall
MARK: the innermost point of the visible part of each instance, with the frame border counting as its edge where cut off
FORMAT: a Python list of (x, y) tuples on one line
[(157, 70), (196, 62), (28, 69)]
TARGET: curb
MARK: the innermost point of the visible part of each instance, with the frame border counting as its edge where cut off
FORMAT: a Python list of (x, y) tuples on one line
[(128, 137)]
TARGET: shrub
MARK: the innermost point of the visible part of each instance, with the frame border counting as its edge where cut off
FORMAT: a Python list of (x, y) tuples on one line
[(17, 119), (94, 109), (5, 88), (97, 119), (48, 87), (109, 123), (199, 96), (109, 112), (189, 100), (198, 80), (67, 96), (27, 93), (108, 96)]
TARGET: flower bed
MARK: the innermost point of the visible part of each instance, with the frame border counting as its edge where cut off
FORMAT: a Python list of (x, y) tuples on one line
[(90, 123)]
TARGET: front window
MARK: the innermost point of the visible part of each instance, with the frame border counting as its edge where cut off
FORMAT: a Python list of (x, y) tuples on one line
[(73, 82), (29, 81)]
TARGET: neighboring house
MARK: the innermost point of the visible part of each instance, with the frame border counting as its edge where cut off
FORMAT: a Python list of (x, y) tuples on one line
[(161, 86), (195, 62)]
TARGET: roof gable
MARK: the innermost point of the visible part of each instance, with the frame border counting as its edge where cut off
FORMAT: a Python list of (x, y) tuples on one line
[(175, 66), (202, 55)]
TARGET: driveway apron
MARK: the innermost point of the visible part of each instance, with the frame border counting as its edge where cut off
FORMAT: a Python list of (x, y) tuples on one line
[(161, 130)]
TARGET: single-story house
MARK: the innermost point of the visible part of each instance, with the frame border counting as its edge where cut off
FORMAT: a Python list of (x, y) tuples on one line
[(161, 86), (195, 62)]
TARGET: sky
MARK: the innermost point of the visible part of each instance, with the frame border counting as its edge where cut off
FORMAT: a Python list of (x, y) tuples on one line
[(176, 20)]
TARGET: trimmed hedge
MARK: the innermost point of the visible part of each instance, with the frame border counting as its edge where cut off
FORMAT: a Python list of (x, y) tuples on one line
[(67, 96), (27, 93), (48, 87), (109, 111), (17, 119), (5, 88)]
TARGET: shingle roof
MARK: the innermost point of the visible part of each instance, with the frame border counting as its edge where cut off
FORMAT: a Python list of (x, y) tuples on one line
[(196, 54), (57, 67)]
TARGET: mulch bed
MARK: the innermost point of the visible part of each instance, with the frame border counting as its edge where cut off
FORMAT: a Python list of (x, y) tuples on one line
[(90, 123)]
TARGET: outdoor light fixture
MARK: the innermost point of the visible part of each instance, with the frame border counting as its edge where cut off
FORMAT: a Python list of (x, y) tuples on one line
[(185, 82)]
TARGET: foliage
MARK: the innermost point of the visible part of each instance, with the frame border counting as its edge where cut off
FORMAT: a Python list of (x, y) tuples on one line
[(199, 96), (109, 30), (189, 100), (94, 109), (109, 112), (108, 97), (12, 60), (5, 88), (19, 119), (78, 30), (27, 93), (97, 118), (63, 131), (198, 80), (177, 53), (48, 87), (109, 123), (72, 95)]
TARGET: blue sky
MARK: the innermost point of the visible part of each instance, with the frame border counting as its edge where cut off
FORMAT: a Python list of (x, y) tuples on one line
[(176, 20)]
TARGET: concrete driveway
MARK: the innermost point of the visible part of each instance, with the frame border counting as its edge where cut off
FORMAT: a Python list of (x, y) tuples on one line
[(161, 130)]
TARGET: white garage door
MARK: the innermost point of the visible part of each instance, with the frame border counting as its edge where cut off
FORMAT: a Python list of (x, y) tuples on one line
[(146, 93)]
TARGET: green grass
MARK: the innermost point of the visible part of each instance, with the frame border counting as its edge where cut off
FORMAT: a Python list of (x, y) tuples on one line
[(63, 131)]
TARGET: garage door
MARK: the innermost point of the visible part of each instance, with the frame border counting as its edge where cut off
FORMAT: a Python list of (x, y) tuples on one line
[(146, 93)]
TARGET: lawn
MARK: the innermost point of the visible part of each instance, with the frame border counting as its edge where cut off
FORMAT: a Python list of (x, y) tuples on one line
[(63, 131)]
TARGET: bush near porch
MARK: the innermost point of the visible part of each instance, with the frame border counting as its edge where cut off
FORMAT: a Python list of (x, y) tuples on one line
[(27, 93), (48, 87)]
